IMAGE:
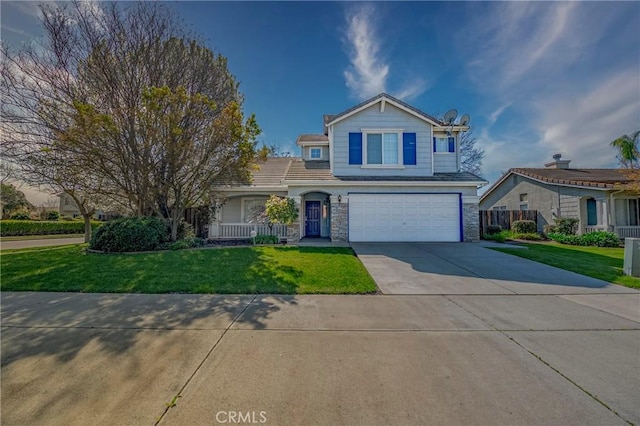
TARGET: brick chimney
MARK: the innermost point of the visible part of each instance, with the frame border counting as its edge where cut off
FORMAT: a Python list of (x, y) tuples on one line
[(557, 163)]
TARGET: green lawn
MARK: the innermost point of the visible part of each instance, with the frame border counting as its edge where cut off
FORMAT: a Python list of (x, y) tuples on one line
[(597, 262), (283, 270)]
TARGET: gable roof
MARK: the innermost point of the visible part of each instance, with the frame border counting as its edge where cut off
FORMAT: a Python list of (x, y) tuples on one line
[(332, 119), (312, 138), (602, 179)]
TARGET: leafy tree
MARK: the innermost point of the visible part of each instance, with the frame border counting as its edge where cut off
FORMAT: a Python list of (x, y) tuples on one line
[(122, 107), (12, 199), (281, 210), (628, 150)]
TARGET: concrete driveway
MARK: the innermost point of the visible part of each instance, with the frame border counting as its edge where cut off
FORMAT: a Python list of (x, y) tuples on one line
[(114, 359), (467, 268)]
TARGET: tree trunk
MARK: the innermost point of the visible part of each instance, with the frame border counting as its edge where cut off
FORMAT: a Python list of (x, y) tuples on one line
[(87, 227)]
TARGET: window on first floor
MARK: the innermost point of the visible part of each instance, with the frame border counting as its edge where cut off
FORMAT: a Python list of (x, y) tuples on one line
[(499, 207), (627, 211), (253, 210), (524, 206)]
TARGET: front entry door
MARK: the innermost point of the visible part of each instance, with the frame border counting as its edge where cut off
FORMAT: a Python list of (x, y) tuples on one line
[(312, 219)]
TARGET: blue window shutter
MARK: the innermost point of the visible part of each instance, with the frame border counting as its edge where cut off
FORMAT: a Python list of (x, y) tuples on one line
[(434, 144), (409, 148), (355, 148), (452, 145)]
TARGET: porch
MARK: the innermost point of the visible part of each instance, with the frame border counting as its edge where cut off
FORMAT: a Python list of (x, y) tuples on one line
[(244, 230), (622, 231)]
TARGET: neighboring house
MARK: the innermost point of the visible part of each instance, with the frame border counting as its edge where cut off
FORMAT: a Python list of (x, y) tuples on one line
[(381, 171), (68, 207), (591, 195)]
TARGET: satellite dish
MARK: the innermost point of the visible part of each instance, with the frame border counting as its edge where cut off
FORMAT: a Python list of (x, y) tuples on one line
[(450, 116), (464, 120)]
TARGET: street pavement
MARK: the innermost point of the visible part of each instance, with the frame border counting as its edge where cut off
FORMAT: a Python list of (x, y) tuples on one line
[(8, 245), (504, 356)]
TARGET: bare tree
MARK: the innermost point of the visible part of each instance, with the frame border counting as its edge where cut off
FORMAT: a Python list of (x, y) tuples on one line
[(82, 112), (470, 156)]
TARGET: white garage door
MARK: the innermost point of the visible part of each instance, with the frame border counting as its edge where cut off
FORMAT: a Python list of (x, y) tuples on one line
[(404, 217)]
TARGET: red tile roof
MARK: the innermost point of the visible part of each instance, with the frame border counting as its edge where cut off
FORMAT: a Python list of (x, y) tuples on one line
[(596, 178)]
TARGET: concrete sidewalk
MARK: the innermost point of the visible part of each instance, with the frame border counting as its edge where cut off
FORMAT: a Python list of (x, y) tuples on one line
[(80, 359), (8, 245)]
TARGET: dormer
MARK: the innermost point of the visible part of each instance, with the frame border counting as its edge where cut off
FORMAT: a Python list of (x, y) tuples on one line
[(315, 147)]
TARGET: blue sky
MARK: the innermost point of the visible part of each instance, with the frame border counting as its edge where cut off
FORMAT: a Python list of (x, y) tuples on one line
[(536, 78)]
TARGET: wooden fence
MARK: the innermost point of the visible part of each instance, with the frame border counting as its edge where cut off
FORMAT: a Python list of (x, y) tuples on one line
[(504, 218)]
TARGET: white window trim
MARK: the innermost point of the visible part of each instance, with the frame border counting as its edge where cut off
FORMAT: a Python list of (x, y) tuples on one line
[(242, 201), (311, 149), (365, 165)]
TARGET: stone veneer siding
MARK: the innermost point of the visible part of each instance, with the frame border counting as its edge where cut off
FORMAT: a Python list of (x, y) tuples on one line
[(293, 232), (470, 222), (339, 222)]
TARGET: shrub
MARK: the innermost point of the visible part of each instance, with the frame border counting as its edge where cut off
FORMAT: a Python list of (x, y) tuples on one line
[(51, 215), (524, 227), (70, 219), (130, 234), (185, 230), (266, 239), (549, 228), (566, 226), (598, 238), (529, 236), (499, 237), (41, 227), (494, 229), (186, 243), (20, 216)]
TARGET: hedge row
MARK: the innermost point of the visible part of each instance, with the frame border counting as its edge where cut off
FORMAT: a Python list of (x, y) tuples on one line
[(42, 227), (598, 238)]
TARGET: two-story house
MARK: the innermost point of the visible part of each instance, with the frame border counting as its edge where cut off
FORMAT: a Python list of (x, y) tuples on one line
[(381, 171)]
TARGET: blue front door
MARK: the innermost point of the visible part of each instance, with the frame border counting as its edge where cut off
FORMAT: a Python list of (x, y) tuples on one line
[(312, 219)]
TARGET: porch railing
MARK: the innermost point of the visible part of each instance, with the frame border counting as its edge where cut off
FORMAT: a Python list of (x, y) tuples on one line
[(243, 230), (594, 228), (628, 231), (622, 231)]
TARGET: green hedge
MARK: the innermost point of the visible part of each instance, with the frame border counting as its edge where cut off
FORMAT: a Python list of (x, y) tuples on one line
[(10, 228), (598, 238)]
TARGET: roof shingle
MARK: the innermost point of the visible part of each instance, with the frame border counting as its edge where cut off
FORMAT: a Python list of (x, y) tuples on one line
[(597, 178)]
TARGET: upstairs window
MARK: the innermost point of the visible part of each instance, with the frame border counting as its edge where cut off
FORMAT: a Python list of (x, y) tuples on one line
[(315, 153), (444, 144), (382, 148)]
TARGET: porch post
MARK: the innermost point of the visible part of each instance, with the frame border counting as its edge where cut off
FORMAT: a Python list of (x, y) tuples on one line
[(215, 211), (604, 212)]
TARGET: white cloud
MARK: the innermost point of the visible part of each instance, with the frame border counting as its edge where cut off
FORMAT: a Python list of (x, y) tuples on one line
[(582, 126), (547, 63), (368, 72), (493, 117)]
